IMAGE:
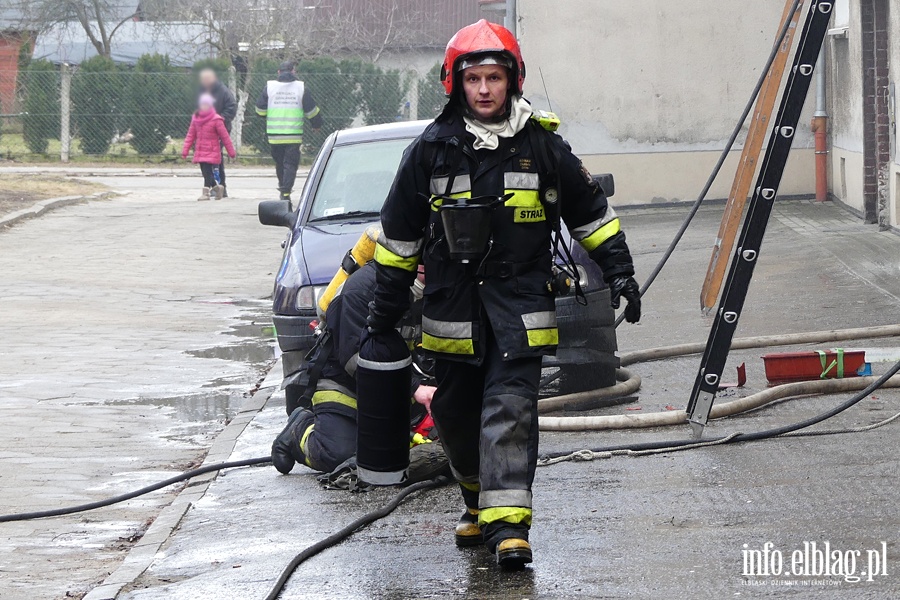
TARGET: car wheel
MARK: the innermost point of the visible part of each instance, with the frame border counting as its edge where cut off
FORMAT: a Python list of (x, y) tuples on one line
[(292, 395)]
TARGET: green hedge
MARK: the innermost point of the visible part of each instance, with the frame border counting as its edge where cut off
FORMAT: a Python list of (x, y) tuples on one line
[(96, 103), (432, 97), (40, 86), (343, 90), (155, 100), (158, 100)]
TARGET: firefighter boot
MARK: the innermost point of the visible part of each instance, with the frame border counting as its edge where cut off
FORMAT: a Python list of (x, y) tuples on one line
[(468, 532), (204, 195), (513, 554), (286, 449)]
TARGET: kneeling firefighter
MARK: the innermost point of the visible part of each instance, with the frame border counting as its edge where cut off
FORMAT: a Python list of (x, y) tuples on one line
[(478, 199), (321, 433)]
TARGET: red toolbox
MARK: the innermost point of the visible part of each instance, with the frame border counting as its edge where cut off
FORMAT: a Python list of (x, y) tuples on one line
[(784, 367)]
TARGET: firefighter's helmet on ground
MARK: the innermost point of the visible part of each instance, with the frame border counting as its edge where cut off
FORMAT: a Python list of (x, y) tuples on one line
[(483, 43)]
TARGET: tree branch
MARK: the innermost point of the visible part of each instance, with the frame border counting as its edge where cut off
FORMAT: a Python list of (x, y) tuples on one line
[(98, 16)]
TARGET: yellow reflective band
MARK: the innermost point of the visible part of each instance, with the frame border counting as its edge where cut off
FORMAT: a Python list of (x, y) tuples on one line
[(333, 396), (526, 205), (436, 203), (303, 439), (385, 257), (601, 235), (313, 113), (507, 514), (447, 346), (262, 111), (472, 487), (523, 199), (543, 337), (285, 139), (529, 215)]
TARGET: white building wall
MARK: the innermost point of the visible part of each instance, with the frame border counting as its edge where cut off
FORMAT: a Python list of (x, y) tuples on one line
[(651, 90)]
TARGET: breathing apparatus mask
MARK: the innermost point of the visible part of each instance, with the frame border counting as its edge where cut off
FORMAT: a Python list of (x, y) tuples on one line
[(467, 224)]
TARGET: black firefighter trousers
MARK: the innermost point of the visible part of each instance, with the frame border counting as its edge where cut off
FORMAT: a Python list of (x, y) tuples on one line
[(488, 422), (327, 437), (287, 161)]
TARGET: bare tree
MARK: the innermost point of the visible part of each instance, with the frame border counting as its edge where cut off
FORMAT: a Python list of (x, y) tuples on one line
[(366, 28), (249, 29), (100, 19)]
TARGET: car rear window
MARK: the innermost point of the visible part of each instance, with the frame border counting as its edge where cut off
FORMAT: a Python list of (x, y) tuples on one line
[(357, 178)]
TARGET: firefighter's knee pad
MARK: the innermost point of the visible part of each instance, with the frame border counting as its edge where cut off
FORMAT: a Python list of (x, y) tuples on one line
[(383, 382)]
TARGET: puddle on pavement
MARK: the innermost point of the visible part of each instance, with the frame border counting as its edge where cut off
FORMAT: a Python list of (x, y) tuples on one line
[(256, 339), (250, 340), (201, 407)]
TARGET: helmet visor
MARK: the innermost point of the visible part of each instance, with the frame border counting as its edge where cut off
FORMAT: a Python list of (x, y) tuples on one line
[(481, 60)]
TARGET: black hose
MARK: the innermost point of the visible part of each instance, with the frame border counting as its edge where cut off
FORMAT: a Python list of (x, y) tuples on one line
[(339, 536), (385, 510), (57, 512), (759, 435), (744, 437), (722, 158)]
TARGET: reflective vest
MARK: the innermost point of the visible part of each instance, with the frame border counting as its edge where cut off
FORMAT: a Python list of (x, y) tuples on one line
[(284, 115)]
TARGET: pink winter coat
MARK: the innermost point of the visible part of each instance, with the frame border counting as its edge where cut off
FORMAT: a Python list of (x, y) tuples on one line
[(207, 133)]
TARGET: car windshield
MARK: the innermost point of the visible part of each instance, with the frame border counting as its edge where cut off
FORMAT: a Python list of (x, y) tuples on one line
[(357, 179)]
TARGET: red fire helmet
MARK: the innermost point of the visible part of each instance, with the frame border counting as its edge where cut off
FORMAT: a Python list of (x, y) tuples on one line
[(479, 39)]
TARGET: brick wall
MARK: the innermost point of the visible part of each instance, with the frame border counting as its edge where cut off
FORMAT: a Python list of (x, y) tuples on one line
[(876, 132), (10, 44)]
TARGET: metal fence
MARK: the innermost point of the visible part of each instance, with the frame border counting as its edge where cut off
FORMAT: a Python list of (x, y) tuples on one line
[(71, 113)]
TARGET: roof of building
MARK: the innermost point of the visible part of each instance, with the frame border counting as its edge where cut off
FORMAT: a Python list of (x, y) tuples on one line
[(10, 19), (184, 43)]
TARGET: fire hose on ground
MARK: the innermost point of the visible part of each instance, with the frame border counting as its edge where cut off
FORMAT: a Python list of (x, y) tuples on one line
[(629, 383)]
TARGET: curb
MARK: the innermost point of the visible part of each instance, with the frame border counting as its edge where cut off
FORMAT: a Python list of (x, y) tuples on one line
[(44, 206), (143, 553)]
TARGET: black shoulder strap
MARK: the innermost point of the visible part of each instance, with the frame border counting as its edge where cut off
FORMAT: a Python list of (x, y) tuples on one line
[(548, 158), (316, 359)]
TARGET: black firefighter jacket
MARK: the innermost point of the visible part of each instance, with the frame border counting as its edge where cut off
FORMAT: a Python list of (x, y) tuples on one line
[(508, 289)]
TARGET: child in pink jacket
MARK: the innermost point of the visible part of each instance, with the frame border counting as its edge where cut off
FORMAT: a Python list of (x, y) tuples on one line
[(207, 134)]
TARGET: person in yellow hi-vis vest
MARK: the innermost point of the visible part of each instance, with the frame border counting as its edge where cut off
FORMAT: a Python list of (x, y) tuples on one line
[(285, 103)]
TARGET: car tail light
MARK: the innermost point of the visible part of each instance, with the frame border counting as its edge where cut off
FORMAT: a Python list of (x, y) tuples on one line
[(308, 296)]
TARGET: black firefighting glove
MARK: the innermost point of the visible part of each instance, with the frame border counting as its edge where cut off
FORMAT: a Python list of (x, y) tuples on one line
[(379, 321), (622, 286)]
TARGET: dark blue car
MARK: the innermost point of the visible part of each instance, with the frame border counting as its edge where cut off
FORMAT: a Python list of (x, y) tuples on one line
[(346, 186)]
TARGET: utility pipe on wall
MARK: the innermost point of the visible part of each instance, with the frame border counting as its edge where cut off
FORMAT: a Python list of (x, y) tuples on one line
[(820, 129), (510, 18)]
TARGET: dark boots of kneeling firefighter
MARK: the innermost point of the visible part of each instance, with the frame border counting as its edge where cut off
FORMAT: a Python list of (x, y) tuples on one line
[(322, 433), (488, 314)]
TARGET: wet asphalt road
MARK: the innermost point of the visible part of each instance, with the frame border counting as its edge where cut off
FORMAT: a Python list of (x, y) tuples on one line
[(668, 526), (129, 330)]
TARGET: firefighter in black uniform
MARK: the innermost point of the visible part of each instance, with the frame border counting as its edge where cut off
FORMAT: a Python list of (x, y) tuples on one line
[(489, 321), (322, 434)]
